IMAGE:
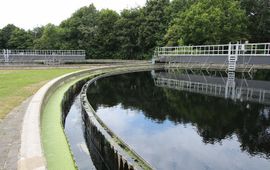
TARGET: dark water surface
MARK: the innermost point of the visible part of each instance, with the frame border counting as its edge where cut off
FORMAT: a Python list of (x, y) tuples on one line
[(201, 121), (75, 135)]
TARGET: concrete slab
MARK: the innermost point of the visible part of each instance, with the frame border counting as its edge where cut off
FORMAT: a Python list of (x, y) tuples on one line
[(10, 137)]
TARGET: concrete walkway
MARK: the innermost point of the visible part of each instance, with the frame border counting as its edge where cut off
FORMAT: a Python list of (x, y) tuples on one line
[(10, 136)]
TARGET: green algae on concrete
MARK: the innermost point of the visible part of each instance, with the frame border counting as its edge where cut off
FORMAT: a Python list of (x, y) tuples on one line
[(55, 145), (56, 148)]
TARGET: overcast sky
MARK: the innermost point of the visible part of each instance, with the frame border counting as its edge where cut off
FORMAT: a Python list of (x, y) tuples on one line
[(28, 14)]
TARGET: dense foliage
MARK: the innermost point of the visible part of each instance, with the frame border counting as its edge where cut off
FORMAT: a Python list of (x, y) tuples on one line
[(209, 22), (134, 33)]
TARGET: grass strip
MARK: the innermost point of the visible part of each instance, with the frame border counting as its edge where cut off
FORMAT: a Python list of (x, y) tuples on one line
[(17, 85)]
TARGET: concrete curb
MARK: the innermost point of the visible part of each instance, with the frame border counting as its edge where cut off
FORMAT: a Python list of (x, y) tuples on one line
[(31, 152)]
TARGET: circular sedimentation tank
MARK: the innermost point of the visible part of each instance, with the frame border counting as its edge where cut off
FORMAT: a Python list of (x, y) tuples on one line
[(44, 144)]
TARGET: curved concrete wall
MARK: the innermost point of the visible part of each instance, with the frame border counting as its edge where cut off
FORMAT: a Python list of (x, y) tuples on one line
[(116, 154), (31, 152)]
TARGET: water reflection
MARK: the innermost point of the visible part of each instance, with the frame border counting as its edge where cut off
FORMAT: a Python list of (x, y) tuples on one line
[(74, 132), (191, 127), (223, 86)]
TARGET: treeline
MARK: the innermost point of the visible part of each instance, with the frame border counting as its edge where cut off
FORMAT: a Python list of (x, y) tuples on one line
[(134, 33)]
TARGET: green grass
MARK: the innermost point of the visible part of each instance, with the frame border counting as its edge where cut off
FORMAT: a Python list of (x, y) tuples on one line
[(17, 85)]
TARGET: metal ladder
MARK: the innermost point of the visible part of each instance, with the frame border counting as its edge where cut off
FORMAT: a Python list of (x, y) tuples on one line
[(230, 86), (232, 56)]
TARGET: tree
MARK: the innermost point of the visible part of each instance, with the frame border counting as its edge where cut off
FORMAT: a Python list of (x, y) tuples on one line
[(178, 6), (136, 32), (209, 22), (154, 24), (81, 29), (20, 39), (5, 35), (128, 32), (37, 32), (258, 13), (106, 41), (52, 38)]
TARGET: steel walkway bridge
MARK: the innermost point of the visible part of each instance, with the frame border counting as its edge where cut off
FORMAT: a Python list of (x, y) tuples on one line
[(226, 87), (46, 56), (229, 55)]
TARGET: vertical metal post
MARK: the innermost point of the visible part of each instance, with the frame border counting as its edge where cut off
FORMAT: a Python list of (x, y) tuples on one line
[(230, 49), (8, 55), (4, 54), (229, 54), (237, 50)]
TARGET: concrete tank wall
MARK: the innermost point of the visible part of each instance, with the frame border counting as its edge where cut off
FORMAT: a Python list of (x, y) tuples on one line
[(42, 58), (31, 146), (215, 59), (117, 154), (95, 138)]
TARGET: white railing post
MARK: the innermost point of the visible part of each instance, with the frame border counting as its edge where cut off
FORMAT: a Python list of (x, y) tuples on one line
[(230, 49), (7, 56)]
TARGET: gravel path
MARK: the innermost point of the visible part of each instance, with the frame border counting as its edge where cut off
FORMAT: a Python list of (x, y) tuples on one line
[(10, 136)]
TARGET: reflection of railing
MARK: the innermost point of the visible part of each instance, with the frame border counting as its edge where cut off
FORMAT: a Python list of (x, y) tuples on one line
[(228, 89)]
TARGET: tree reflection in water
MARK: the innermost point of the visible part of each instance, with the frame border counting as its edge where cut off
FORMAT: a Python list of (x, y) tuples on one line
[(215, 118)]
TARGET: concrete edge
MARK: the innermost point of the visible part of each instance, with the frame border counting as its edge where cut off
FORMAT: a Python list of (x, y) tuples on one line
[(31, 155)]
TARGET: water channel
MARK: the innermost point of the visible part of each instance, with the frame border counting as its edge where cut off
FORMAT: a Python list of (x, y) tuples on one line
[(185, 119), (74, 132)]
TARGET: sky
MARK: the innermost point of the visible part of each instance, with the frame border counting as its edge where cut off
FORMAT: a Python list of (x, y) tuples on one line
[(28, 14)]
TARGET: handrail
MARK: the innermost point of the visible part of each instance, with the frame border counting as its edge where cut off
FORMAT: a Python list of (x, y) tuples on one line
[(43, 52), (246, 49)]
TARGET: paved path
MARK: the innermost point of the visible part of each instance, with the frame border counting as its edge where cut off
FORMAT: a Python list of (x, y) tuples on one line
[(10, 137)]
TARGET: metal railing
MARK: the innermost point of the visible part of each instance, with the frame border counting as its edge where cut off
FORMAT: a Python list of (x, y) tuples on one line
[(44, 52), (192, 50), (246, 49), (7, 55)]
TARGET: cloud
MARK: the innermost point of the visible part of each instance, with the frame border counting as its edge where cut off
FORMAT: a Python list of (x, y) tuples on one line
[(170, 146)]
